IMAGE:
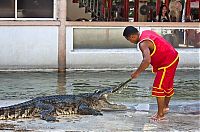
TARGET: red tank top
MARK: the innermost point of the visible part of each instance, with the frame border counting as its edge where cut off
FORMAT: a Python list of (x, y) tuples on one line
[(164, 53)]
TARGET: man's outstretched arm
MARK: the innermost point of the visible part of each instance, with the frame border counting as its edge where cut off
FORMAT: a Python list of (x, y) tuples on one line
[(144, 46)]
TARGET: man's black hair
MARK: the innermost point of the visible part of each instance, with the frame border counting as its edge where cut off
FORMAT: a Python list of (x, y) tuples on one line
[(129, 30)]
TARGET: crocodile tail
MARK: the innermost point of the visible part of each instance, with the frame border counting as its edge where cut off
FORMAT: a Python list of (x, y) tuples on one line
[(21, 110)]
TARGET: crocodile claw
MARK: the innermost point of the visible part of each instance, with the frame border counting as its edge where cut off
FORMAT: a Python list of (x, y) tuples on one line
[(97, 113), (51, 119)]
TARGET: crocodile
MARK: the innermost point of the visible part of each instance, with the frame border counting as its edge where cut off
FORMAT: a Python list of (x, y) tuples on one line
[(49, 107)]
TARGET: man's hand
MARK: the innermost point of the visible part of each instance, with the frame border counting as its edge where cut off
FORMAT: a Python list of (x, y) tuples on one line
[(134, 75)]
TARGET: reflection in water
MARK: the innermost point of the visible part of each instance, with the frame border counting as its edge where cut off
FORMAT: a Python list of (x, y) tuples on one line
[(64, 86), (61, 81)]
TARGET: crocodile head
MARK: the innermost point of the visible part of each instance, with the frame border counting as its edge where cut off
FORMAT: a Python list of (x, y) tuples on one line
[(100, 97), (103, 93)]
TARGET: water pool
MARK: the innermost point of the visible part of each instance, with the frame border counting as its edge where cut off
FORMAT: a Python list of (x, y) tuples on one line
[(26, 85)]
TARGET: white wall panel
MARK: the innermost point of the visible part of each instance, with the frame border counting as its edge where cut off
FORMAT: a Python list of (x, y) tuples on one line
[(23, 46)]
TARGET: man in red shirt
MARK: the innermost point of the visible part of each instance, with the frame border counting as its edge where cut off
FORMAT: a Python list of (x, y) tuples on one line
[(164, 59)]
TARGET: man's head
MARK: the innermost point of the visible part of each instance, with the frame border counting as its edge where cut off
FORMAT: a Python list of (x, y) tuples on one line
[(131, 34)]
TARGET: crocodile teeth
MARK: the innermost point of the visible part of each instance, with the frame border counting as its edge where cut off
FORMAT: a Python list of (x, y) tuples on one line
[(26, 112), (35, 113), (23, 115), (5, 115), (58, 112), (75, 110), (72, 112), (16, 114), (2, 117), (11, 116), (64, 112)]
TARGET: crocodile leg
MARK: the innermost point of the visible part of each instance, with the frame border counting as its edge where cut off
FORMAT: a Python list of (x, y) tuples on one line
[(85, 110), (45, 111)]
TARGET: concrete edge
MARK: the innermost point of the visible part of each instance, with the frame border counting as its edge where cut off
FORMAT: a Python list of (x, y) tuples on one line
[(87, 69)]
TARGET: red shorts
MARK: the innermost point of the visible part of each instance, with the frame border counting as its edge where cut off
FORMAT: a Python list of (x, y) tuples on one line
[(163, 83)]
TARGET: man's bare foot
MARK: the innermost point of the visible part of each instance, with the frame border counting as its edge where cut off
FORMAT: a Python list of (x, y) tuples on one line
[(158, 118), (166, 110), (156, 114)]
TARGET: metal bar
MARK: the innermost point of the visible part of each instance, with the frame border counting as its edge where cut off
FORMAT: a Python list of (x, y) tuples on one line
[(103, 8), (158, 6), (136, 10), (151, 11), (184, 38), (94, 2), (167, 3), (15, 9), (126, 9), (188, 9), (97, 8), (87, 6), (199, 11), (109, 9), (86, 1), (167, 25), (90, 5)]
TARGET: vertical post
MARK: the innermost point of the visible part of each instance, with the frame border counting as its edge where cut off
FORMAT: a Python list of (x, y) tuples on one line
[(97, 8), (126, 9), (188, 9), (136, 10), (109, 9), (158, 6), (184, 12), (15, 9), (199, 11), (103, 8), (184, 38), (151, 11), (167, 3), (62, 36)]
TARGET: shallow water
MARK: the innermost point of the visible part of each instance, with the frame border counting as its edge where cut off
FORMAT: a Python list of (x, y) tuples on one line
[(26, 85)]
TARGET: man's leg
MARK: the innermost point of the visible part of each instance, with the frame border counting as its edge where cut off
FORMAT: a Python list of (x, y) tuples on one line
[(170, 79), (159, 94), (161, 106), (166, 105), (166, 108)]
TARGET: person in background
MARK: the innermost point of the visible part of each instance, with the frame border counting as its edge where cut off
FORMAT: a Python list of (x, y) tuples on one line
[(175, 7), (164, 59), (163, 14)]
